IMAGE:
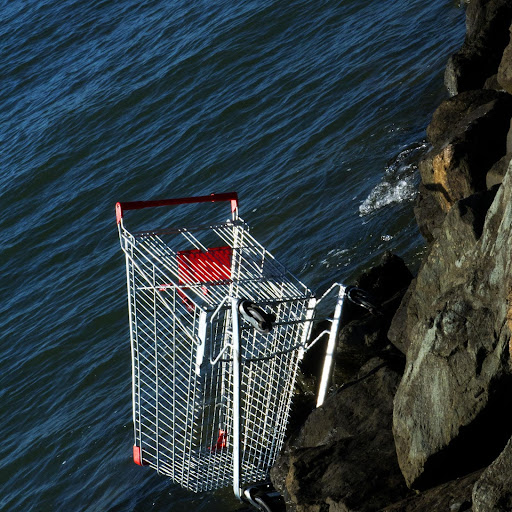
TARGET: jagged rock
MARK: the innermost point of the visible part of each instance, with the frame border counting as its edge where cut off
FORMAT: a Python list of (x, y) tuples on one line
[(363, 335), (448, 412), (429, 213), (504, 76), (387, 282), (498, 171), (451, 409), (453, 496), (453, 115), (404, 316), (469, 134), (487, 25), (493, 490), (344, 456)]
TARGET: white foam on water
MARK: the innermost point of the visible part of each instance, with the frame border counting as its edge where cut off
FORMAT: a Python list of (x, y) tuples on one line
[(398, 184), (386, 193)]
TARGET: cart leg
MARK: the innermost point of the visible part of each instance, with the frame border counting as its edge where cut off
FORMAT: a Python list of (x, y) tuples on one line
[(331, 344), (236, 398)]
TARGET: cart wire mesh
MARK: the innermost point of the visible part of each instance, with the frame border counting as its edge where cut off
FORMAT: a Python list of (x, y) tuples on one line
[(211, 394)]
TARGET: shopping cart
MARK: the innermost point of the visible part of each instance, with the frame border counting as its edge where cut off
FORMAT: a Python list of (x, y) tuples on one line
[(217, 329)]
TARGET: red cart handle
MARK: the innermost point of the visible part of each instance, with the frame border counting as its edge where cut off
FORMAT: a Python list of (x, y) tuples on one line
[(212, 198)]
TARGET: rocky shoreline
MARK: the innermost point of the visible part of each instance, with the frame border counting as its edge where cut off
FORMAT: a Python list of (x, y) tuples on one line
[(419, 415)]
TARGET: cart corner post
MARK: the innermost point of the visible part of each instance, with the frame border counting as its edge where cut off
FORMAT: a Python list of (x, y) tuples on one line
[(119, 213), (331, 344), (236, 397)]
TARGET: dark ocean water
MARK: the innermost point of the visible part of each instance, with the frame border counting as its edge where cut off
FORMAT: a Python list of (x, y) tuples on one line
[(315, 112)]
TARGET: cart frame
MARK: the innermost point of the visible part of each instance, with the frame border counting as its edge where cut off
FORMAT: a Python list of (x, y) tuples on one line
[(206, 292)]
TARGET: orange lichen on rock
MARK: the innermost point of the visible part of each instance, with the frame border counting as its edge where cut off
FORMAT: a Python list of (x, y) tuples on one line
[(440, 164)]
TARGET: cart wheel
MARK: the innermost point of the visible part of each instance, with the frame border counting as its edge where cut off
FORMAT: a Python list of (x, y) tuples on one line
[(265, 498)]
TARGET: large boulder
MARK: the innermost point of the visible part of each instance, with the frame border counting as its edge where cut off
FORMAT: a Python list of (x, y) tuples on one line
[(344, 458), (487, 25), (468, 134), (455, 114), (451, 410)]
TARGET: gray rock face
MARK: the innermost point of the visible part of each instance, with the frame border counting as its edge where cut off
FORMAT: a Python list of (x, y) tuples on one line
[(504, 76), (497, 171), (493, 490), (453, 496), (457, 378), (344, 456), (487, 25)]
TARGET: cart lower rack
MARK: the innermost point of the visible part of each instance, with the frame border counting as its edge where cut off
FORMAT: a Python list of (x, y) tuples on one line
[(217, 328)]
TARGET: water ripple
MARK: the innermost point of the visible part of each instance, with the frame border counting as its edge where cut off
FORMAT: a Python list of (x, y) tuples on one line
[(313, 111)]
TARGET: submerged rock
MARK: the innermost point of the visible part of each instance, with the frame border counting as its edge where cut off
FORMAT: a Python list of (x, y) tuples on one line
[(363, 335)]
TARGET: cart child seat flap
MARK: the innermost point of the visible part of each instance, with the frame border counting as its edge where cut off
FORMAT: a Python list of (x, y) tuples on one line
[(195, 266)]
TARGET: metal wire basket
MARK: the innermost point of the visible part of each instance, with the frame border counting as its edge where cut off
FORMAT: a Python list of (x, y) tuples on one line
[(211, 390)]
